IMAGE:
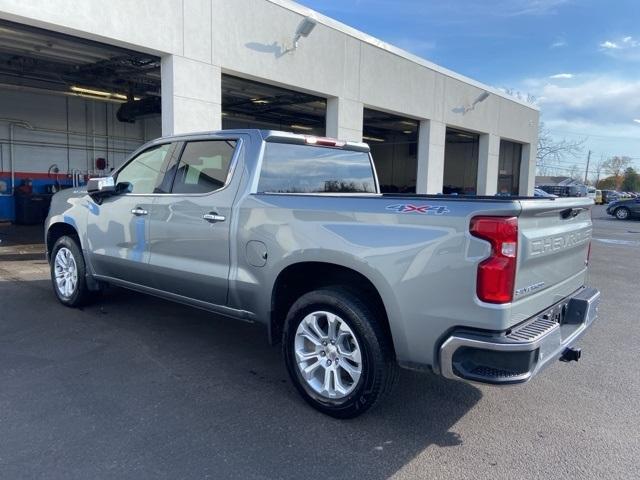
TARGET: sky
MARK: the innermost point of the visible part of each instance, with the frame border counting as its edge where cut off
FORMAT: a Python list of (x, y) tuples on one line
[(580, 59)]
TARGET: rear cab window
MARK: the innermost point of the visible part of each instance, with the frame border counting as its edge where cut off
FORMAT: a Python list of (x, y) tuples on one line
[(292, 168)]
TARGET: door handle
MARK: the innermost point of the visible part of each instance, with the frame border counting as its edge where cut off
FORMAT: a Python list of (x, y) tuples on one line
[(213, 217), (139, 211)]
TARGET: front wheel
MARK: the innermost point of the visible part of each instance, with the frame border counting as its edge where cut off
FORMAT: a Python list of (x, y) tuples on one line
[(68, 272), (337, 353), (622, 213)]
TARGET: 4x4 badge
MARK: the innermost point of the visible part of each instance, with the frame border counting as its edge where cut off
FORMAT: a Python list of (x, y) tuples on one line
[(420, 209)]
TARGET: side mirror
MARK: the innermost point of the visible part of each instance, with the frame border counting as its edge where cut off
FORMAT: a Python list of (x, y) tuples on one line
[(99, 188)]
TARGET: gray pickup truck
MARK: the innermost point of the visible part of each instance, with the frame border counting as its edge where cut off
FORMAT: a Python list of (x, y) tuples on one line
[(291, 231)]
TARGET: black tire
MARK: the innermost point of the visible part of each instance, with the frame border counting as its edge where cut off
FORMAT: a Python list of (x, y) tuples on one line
[(80, 294), (378, 370), (622, 213)]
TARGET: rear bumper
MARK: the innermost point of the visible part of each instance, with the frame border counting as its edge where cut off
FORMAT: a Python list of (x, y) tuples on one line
[(518, 354)]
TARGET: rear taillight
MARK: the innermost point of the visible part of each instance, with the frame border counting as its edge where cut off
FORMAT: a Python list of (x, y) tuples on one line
[(497, 274)]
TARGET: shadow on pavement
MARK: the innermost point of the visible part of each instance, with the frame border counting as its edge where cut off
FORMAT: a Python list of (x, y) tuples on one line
[(135, 386)]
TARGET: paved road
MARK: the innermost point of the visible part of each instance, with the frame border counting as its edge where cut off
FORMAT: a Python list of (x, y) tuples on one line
[(135, 387)]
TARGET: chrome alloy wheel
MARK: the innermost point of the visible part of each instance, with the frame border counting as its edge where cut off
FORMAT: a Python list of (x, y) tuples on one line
[(328, 355), (66, 272)]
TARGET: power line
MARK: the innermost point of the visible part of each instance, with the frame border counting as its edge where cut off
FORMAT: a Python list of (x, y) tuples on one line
[(566, 132)]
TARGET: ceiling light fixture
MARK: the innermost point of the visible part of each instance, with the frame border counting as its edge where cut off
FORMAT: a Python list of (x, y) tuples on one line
[(301, 127), (373, 139), (89, 91), (100, 93), (260, 101)]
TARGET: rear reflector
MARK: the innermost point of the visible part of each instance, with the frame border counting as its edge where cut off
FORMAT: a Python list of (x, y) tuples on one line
[(497, 274)]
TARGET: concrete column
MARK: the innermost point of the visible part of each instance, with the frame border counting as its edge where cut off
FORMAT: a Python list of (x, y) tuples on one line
[(191, 96), (344, 119), (488, 164), (431, 140), (528, 169)]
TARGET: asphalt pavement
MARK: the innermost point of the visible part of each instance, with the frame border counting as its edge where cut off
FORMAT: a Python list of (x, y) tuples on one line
[(137, 387)]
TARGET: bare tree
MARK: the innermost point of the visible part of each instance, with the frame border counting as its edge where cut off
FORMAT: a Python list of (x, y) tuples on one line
[(616, 166), (551, 152), (575, 172), (597, 170)]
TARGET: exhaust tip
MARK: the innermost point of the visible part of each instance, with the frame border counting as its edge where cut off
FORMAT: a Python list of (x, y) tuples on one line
[(571, 355)]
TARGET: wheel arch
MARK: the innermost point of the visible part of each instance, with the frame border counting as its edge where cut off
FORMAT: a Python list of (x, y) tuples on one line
[(298, 278), (59, 229)]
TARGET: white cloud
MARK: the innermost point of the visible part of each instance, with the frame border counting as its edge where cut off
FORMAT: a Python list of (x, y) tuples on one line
[(533, 7), (558, 44), (597, 106), (562, 76), (609, 45), (624, 48), (598, 98)]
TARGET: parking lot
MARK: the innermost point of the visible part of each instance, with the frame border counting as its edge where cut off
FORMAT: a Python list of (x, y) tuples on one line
[(136, 387)]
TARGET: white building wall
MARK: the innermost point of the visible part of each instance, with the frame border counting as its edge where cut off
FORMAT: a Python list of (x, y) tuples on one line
[(250, 38), (70, 132)]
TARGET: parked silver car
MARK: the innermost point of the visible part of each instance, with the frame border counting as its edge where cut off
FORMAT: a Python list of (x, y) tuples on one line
[(291, 231)]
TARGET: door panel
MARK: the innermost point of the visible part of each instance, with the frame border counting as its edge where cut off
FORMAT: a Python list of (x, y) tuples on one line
[(189, 255), (118, 229), (118, 238), (189, 229)]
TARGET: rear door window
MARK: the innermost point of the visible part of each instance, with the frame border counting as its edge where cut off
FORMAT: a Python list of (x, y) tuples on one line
[(288, 168), (204, 166)]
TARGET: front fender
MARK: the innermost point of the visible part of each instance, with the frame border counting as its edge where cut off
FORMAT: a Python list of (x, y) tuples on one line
[(70, 207)]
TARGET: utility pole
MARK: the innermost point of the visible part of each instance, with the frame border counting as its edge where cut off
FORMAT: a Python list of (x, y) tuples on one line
[(586, 172)]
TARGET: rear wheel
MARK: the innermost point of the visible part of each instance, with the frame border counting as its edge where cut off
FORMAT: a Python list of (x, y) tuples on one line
[(68, 272), (622, 213), (337, 354)]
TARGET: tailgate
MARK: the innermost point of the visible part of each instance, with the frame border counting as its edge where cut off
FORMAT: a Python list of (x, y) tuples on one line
[(554, 238)]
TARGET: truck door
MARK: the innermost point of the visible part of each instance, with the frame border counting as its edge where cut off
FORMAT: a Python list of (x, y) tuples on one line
[(118, 229), (190, 227)]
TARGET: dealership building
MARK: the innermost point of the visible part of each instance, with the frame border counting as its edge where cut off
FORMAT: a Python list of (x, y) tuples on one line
[(85, 82)]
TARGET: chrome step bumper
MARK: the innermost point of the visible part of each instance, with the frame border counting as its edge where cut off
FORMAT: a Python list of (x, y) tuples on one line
[(518, 354)]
